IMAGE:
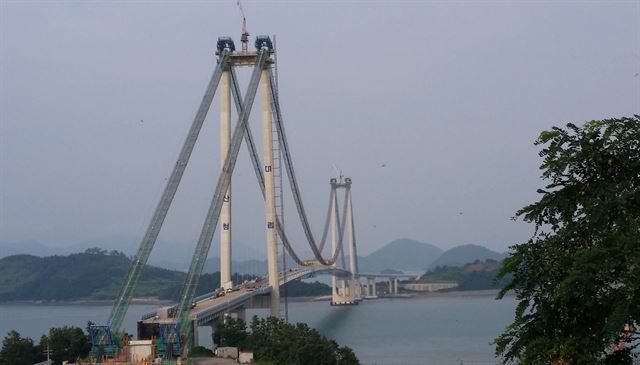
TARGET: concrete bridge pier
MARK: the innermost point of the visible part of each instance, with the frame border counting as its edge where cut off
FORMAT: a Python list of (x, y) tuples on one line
[(371, 287), (357, 286), (393, 286), (345, 294)]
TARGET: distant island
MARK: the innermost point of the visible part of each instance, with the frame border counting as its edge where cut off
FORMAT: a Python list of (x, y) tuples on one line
[(478, 275)]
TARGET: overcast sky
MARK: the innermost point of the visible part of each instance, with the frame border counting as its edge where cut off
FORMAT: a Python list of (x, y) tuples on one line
[(431, 107)]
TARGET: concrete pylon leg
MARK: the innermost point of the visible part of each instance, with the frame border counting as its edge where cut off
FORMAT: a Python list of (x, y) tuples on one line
[(351, 233), (375, 294), (334, 242), (225, 213), (269, 189), (395, 286)]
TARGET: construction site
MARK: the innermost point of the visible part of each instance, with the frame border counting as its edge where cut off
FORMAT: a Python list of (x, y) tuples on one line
[(168, 335)]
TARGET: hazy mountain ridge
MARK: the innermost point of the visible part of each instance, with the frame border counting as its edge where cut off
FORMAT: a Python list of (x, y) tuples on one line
[(402, 254), (405, 255), (172, 255)]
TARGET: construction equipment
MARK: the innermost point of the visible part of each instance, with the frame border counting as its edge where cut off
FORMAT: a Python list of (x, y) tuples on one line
[(244, 37), (103, 342), (168, 342), (138, 262), (225, 43), (263, 41)]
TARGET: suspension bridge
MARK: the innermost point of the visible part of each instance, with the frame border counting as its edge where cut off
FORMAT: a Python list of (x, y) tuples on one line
[(175, 327)]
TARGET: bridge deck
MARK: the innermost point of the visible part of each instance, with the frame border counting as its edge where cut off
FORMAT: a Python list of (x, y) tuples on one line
[(208, 307)]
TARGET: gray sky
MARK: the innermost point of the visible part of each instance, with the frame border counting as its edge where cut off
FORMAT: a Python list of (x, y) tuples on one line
[(448, 95)]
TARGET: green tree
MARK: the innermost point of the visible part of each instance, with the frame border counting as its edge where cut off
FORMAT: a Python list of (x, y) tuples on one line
[(66, 344), (346, 356), (17, 350), (200, 351), (232, 332), (276, 342), (577, 280)]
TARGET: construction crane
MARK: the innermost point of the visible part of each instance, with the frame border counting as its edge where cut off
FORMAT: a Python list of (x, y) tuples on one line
[(244, 37), (103, 342)]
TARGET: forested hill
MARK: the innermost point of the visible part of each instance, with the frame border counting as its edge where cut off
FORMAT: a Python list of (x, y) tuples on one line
[(94, 274), (478, 275), (97, 275)]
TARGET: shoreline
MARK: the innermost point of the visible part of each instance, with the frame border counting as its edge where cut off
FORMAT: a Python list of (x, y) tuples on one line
[(162, 302)]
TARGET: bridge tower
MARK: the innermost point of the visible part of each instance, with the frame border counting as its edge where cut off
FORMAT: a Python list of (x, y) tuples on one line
[(180, 320), (345, 291)]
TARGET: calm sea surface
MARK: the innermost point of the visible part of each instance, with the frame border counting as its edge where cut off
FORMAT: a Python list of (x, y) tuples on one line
[(455, 328)]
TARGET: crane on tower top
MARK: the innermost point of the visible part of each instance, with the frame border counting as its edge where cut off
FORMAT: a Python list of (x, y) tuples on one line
[(244, 38)]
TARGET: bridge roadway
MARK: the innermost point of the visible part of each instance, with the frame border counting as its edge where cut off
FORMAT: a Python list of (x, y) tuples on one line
[(208, 307)]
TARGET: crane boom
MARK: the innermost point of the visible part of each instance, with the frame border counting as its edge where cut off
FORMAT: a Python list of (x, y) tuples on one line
[(148, 241), (213, 213), (244, 37)]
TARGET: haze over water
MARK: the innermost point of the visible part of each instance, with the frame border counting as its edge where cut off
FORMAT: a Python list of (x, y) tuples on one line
[(447, 329)]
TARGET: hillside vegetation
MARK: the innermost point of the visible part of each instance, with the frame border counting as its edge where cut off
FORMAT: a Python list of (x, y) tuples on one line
[(97, 275), (478, 275), (93, 274)]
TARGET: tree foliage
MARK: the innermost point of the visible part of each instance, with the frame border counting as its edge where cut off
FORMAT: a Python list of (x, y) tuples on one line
[(200, 351), (276, 342), (232, 333), (66, 344), (18, 350), (577, 280)]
